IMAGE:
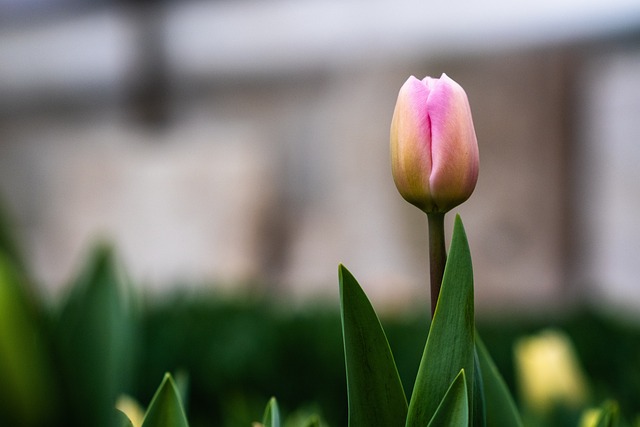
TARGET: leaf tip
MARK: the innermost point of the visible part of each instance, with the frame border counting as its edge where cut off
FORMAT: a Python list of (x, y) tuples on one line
[(343, 274)]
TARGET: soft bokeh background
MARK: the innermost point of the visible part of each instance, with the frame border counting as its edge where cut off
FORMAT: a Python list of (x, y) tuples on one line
[(245, 143), (242, 147)]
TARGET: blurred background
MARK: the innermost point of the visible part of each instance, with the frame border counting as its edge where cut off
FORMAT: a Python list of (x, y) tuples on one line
[(242, 147), (245, 143)]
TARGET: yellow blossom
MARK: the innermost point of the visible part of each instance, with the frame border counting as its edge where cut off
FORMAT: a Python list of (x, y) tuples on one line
[(548, 372)]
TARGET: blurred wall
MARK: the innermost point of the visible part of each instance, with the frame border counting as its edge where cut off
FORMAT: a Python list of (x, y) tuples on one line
[(607, 183), (205, 169)]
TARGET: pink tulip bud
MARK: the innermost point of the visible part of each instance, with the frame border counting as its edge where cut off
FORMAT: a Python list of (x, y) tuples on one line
[(434, 151)]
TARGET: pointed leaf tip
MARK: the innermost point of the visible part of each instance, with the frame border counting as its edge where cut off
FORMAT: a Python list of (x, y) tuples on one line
[(343, 271), (373, 399), (166, 408), (450, 344), (453, 410), (271, 416)]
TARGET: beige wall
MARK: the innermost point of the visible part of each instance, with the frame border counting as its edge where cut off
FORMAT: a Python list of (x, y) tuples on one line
[(273, 180)]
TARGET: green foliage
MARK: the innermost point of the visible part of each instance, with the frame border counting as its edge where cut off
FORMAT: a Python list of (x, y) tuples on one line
[(122, 420), (479, 409), (66, 364), (239, 352), (8, 243), (609, 415), (271, 414), (312, 421), (27, 393), (272, 417), (453, 410), (165, 410), (450, 344), (374, 390), (95, 340), (443, 394), (500, 407)]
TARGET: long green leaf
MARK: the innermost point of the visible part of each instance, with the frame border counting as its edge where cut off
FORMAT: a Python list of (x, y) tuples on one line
[(479, 406), (609, 415), (8, 241), (95, 338), (500, 407), (27, 394), (453, 410), (374, 390), (450, 344), (271, 414), (165, 409), (122, 419), (313, 421)]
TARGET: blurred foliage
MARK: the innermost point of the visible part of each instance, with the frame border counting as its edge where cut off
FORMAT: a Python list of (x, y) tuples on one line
[(64, 362), (608, 348), (95, 335), (8, 241), (240, 352), (27, 393)]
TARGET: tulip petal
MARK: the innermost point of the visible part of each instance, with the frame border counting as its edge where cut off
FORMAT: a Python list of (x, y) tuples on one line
[(454, 169), (411, 141), (434, 151)]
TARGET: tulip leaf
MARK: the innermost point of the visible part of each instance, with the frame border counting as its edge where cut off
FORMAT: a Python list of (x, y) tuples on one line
[(8, 242), (165, 409), (181, 379), (27, 394), (453, 410), (609, 415), (500, 407), (374, 390), (271, 414), (122, 419), (450, 344), (479, 411), (313, 421), (95, 339)]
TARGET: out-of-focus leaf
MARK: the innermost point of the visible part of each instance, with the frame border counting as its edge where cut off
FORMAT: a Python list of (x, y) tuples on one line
[(303, 417), (26, 392), (123, 420), (96, 340), (131, 408), (609, 415), (500, 407), (271, 414), (165, 409), (182, 384), (479, 412), (8, 243), (313, 421), (453, 410), (375, 394), (450, 344)]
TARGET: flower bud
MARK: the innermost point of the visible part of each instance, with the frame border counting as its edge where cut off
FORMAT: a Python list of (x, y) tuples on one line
[(549, 372), (434, 151)]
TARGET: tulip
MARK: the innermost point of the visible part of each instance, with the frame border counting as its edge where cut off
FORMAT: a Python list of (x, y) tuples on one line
[(434, 157), (434, 151), (549, 372)]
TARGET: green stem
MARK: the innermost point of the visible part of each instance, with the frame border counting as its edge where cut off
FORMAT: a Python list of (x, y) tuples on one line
[(437, 255)]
